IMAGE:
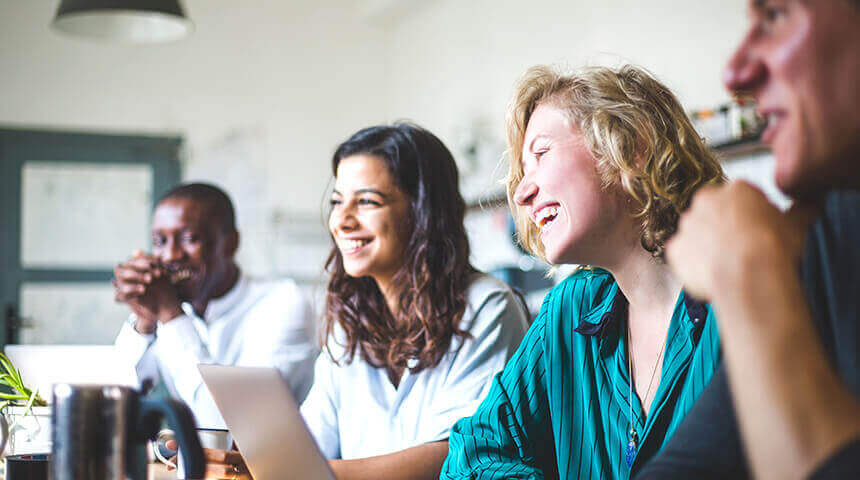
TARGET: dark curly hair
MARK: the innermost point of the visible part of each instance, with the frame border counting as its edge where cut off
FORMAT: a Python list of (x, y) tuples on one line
[(434, 277)]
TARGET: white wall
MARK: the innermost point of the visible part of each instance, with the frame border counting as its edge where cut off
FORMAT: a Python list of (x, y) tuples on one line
[(274, 84), (457, 62), (453, 65), (262, 91)]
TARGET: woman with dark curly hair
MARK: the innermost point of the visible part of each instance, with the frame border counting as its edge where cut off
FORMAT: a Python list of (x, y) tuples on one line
[(413, 333), (602, 162)]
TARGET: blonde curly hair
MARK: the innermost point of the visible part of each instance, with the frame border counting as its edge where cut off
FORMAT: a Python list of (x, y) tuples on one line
[(637, 132)]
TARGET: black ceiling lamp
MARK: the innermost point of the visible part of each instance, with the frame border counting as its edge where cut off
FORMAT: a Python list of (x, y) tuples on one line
[(129, 21)]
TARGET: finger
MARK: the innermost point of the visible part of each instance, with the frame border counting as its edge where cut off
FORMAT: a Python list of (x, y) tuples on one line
[(669, 250), (705, 193), (141, 256), (226, 471), (131, 274), (238, 476), (126, 291), (232, 457), (158, 272), (141, 263), (228, 476), (747, 186), (220, 470), (171, 445), (126, 298)]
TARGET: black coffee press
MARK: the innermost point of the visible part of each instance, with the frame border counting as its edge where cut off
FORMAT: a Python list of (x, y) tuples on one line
[(99, 432)]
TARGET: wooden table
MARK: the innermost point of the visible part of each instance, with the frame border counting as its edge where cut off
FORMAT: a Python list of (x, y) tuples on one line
[(158, 471), (154, 471)]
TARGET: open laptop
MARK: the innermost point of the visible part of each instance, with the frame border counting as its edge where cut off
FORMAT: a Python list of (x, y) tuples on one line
[(265, 422), (42, 366)]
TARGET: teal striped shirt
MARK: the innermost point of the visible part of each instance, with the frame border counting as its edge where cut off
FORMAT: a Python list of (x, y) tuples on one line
[(560, 407)]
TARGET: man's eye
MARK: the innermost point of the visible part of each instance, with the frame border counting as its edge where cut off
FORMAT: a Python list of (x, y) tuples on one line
[(774, 13), (770, 15), (157, 241), (367, 201), (335, 201)]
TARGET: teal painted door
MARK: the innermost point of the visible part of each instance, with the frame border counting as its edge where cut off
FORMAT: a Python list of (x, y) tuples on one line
[(72, 205)]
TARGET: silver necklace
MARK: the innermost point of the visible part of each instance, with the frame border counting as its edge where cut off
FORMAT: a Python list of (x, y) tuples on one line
[(633, 435)]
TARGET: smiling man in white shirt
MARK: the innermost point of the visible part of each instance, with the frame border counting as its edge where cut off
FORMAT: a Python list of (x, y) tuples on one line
[(190, 304)]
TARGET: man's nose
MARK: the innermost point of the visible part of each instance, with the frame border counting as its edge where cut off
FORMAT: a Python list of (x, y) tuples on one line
[(745, 70), (172, 252)]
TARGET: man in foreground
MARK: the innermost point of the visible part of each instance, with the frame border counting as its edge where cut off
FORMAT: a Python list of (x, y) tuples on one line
[(790, 337)]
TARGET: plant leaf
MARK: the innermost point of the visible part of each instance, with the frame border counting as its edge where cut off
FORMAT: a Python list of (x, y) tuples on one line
[(18, 378), (7, 364), (26, 411), (10, 396)]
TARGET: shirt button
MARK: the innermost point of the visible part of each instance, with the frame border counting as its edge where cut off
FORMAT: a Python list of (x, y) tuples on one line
[(412, 363)]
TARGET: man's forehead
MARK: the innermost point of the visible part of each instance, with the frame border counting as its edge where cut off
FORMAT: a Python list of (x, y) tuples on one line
[(755, 7), (187, 211)]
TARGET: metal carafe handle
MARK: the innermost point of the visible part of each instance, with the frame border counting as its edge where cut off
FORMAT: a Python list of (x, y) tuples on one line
[(180, 419)]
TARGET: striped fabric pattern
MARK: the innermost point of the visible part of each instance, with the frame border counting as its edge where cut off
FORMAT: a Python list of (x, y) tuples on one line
[(560, 408)]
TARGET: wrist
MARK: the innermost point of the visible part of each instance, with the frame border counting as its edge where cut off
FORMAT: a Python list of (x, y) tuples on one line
[(167, 314), (758, 264), (763, 294), (144, 326)]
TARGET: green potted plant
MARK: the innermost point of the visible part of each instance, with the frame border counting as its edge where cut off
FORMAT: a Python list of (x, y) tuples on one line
[(26, 416)]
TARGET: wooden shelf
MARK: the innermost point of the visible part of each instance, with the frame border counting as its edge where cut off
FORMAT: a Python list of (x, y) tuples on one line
[(487, 201), (739, 148)]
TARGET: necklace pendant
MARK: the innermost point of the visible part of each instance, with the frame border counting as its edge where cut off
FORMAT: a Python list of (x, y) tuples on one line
[(631, 451), (631, 447)]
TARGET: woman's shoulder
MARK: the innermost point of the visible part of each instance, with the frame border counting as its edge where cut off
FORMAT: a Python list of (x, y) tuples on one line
[(588, 280), (482, 286), (579, 293), (486, 293), (334, 344)]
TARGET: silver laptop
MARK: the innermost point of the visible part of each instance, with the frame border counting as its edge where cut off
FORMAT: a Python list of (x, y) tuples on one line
[(43, 365), (265, 422)]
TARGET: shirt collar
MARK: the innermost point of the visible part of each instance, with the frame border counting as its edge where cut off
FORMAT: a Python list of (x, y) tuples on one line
[(217, 307), (697, 312), (617, 311)]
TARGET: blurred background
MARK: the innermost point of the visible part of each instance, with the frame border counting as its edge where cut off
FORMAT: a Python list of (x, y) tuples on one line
[(256, 97)]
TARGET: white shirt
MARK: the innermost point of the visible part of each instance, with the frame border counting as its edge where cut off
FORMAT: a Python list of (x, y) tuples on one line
[(255, 324), (354, 411)]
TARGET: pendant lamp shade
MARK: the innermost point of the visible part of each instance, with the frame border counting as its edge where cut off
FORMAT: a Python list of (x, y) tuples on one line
[(129, 21)]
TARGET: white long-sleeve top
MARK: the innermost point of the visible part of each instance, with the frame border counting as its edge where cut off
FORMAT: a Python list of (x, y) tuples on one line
[(354, 411), (255, 324)]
